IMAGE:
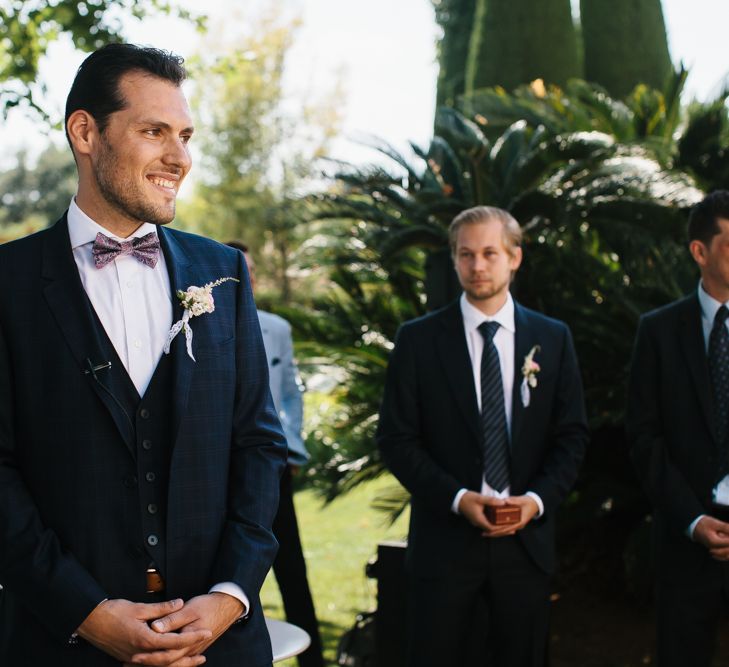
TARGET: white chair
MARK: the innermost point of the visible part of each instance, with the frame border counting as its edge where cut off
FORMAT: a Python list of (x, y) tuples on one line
[(287, 640)]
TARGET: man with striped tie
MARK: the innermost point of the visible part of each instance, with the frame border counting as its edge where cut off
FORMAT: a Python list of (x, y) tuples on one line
[(483, 408)]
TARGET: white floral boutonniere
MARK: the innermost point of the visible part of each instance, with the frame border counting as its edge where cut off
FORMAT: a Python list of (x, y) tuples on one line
[(529, 370), (196, 301)]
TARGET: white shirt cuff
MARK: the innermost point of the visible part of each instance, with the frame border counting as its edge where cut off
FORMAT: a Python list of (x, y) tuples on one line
[(690, 530), (234, 590), (538, 501), (457, 501)]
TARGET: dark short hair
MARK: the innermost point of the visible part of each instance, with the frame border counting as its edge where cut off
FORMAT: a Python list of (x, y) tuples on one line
[(237, 245), (96, 86), (703, 220)]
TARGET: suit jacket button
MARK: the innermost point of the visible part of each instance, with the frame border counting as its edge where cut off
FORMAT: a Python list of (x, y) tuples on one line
[(147, 444), (150, 477), (152, 540), (152, 508), (130, 481), (144, 413)]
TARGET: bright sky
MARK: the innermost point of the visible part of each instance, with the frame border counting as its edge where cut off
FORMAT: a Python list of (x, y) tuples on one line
[(382, 51)]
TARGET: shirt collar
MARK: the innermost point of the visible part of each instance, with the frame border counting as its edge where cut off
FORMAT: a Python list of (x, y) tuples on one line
[(82, 229), (709, 305), (473, 317)]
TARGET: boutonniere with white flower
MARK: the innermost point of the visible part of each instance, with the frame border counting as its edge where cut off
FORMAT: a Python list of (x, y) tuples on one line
[(196, 301), (529, 370)]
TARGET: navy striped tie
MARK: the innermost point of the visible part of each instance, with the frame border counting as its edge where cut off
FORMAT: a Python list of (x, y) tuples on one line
[(495, 440), (719, 370)]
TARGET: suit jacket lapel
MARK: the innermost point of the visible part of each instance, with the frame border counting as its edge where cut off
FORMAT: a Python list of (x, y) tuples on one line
[(73, 313), (453, 350), (694, 347), (524, 340), (180, 269)]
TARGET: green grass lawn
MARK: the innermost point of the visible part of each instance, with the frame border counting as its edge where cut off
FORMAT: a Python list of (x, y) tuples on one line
[(338, 541)]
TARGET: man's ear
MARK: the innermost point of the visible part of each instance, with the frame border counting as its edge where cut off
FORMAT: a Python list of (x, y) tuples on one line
[(516, 257), (82, 131), (698, 251)]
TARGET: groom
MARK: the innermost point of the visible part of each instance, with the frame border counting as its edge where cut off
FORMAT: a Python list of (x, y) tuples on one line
[(482, 407), (137, 488)]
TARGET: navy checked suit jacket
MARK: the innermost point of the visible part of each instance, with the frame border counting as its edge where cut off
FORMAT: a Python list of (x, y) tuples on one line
[(429, 432), (69, 535)]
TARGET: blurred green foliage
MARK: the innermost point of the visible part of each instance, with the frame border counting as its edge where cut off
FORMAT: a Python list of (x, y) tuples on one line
[(516, 41), (27, 29), (625, 43), (259, 147), (40, 191), (508, 43)]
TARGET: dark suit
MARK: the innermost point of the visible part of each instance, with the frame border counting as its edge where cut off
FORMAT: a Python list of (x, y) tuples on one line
[(429, 437), (71, 511), (672, 433)]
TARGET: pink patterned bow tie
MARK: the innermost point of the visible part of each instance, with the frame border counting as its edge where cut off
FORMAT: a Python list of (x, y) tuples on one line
[(144, 248)]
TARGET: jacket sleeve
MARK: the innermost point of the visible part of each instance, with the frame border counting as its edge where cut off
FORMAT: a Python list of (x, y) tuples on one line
[(662, 481), (399, 434), (257, 457)]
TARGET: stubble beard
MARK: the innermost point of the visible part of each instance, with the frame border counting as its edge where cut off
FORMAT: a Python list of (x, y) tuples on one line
[(485, 293), (124, 195)]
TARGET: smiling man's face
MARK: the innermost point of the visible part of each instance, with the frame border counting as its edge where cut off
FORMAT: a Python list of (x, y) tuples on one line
[(142, 156)]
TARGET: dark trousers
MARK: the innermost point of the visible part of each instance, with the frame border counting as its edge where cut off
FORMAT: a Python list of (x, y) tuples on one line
[(290, 570), (495, 597), (689, 608)]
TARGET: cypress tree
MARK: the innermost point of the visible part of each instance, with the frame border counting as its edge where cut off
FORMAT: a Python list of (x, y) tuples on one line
[(455, 17), (625, 44), (516, 41)]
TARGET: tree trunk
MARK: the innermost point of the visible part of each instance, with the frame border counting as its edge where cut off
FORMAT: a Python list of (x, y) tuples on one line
[(516, 41), (625, 44)]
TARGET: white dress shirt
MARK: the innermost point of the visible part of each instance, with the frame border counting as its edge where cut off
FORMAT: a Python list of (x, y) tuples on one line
[(133, 301), (504, 344), (709, 306)]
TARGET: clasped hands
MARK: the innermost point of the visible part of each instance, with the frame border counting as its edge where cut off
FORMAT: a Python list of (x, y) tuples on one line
[(168, 634), (714, 535), (472, 504)]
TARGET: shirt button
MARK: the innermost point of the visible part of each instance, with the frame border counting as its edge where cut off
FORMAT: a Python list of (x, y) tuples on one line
[(150, 477), (152, 508), (137, 343), (153, 540), (147, 444), (144, 413)]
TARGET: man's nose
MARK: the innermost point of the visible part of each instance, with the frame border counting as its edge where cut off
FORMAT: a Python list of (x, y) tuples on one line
[(177, 153)]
